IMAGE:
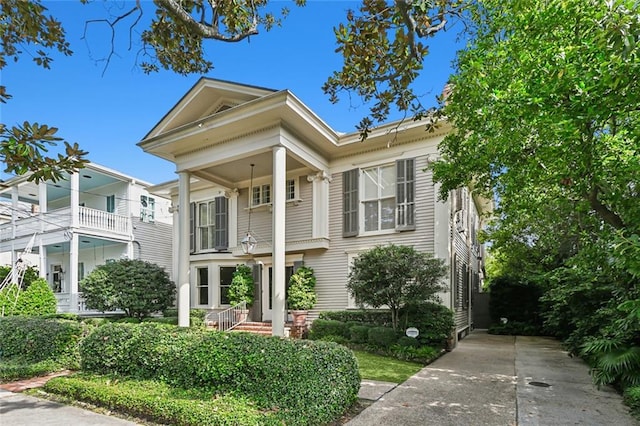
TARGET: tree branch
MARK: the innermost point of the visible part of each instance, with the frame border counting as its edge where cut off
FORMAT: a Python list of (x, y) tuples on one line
[(603, 211), (203, 30)]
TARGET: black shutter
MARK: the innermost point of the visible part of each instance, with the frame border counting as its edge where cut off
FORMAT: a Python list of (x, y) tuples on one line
[(221, 222), (350, 203), (192, 227), (405, 194)]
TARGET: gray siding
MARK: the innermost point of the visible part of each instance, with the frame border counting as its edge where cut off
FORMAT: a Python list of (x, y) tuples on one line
[(332, 267), (154, 243), (298, 222)]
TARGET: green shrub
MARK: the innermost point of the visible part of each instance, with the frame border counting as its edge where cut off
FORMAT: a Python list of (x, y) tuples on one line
[(515, 299), (359, 333), (9, 300), (37, 299), (137, 287), (321, 328), (30, 275), (382, 337), (406, 341), (424, 354), (515, 328), (395, 276), (162, 320), (160, 403), (301, 294), (379, 317), (34, 339), (433, 320), (196, 316), (304, 382), (16, 368), (241, 288), (632, 399)]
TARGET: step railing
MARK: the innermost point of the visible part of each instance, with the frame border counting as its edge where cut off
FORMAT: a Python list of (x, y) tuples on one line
[(232, 317)]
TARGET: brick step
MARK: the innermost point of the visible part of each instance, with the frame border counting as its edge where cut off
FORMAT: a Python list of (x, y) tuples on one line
[(255, 327)]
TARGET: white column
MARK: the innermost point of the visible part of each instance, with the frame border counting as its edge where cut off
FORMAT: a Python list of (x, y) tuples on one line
[(232, 217), (73, 271), (279, 221), (184, 289), (43, 206), (320, 214), (75, 199), (14, 224)]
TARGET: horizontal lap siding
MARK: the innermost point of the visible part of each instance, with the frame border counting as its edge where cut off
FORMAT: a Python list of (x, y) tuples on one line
[(332, 267), (155, 243), (298, 217)]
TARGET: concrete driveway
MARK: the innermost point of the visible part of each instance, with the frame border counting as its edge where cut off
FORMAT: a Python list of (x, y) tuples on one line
[(500, 380)]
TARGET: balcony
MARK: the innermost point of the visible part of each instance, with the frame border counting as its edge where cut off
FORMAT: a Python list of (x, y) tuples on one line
[(89, 220)]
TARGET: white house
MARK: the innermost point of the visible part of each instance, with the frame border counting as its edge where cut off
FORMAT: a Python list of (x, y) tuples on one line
[(80, 222), (257, 161)]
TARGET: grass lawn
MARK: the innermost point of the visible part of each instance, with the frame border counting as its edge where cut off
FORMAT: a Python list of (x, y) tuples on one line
[(376, 367)]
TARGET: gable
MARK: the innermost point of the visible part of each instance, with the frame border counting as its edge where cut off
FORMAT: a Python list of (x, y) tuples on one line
[(207, 97)]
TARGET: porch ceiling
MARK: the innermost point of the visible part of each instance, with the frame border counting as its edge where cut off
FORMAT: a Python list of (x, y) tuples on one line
[(89, 180), (233, 173)]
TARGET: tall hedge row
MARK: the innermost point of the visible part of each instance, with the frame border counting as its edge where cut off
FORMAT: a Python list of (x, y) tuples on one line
[(304, 382), (35, 339)]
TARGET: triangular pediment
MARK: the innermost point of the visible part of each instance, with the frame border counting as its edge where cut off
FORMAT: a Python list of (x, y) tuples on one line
[(206, 98)]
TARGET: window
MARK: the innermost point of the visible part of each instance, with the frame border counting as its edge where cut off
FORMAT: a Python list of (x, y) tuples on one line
[(212, 224), (378, 201), (226, 275), (379, 198), (147, 208), (202, 285), (261, 194), (111, 203)]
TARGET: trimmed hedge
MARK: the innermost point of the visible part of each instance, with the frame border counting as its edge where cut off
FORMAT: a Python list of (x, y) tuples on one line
[(382, 337), (377, 317), (359, 333), (35, 339), (303, 382), (158, 402), (321, 328)]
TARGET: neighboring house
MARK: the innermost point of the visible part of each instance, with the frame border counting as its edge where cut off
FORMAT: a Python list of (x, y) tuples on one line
[(87, 219), (314, 196)]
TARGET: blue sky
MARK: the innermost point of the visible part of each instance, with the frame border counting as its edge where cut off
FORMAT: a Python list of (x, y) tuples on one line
[(108, 111)]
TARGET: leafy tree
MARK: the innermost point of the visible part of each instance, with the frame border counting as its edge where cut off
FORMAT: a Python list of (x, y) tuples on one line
[(395, 276), (24, 147), (137, 287), (546, 108)]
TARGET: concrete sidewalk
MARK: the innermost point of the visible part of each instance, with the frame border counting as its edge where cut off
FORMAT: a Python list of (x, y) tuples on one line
[(500, 380), (17, 409)]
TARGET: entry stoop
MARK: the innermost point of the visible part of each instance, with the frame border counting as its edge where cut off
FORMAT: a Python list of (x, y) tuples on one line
[(255, 328)]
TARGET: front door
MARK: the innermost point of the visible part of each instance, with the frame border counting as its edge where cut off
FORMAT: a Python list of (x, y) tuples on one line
[(267, 290)]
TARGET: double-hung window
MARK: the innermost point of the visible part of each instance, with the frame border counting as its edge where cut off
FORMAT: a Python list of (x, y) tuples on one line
[(209, 225), (379, 198), (261, 194), (147, 208)]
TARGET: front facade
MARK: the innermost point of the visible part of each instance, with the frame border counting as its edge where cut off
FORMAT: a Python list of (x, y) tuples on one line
[(258, 161), (87, 219)]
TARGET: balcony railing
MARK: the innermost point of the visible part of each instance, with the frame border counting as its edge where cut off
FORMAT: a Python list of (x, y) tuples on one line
[(88, 218), (98, 219)]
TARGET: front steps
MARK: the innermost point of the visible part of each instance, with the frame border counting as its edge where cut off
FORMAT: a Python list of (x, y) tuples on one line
[(264, 328)]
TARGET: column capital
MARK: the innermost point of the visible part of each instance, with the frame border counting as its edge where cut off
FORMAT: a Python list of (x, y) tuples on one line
[(321, 175)]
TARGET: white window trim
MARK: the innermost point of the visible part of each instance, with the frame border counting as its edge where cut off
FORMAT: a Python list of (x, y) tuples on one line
[(295, 200), (362, 201)]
